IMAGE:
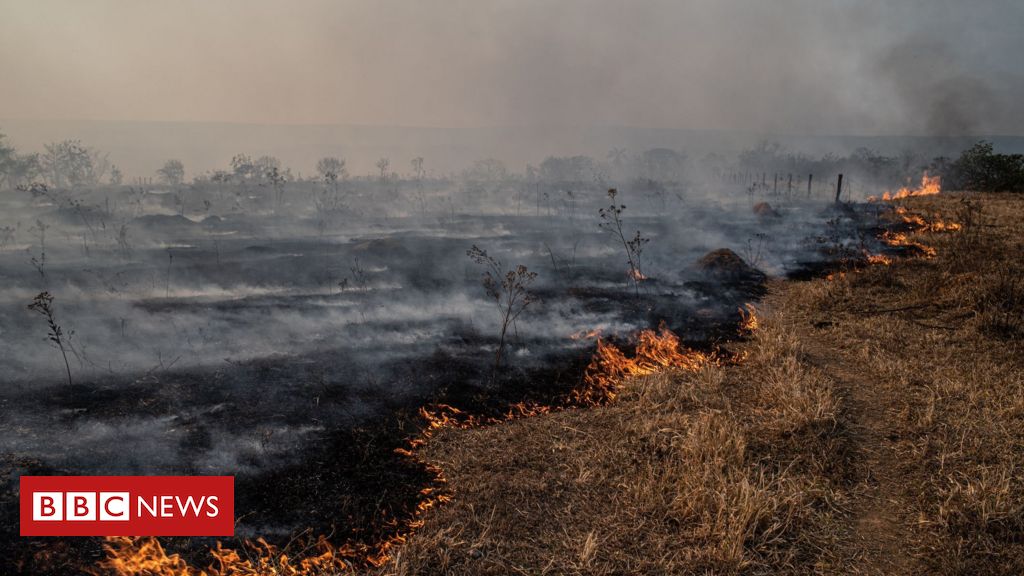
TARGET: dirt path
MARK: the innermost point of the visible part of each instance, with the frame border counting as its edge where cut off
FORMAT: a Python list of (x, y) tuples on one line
[(878, 537)]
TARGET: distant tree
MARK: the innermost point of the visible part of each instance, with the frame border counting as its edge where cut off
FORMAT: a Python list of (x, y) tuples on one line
[(172, 173), (69, 163), (331, 169), (417, 167), (383, 165), (116, 177), (242, 168), (7, 159), (17, 169), (27, 168), (981, 168), (277, 179), (266, 165)]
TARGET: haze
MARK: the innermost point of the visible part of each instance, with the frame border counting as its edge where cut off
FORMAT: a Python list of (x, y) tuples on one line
[(795, 67)]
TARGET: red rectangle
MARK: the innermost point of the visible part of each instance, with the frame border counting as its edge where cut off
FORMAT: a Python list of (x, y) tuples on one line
[(127, 505)]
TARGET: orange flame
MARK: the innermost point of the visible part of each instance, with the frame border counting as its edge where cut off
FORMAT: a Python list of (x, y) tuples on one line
[(145, 556), (609, 368), (586, 334), (918, 222), (603, 378), (748, 319), (929, 185), (899, 239), (878, 259)]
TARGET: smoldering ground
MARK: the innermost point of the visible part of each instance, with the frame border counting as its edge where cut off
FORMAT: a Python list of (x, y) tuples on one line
[(226, 329)]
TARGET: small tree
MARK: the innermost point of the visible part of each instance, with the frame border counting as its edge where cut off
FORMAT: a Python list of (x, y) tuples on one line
[(383, 165), (331, 169), (68, 163), (611, 220), (172, 173), (420, 172), (116, 176), (242, 168), (508, 288), (43, 305), (277, 180), (417, 167)]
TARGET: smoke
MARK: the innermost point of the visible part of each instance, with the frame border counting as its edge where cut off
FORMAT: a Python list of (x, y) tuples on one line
[(793, 66), (937, 91)]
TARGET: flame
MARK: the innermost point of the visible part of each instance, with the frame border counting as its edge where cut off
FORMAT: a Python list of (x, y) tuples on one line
[(929, 185), (748, 319), (637, 275), (878, 259), (918, 222), (609, 368), (586, 334), (603, 378), (899, 239), (146, 557)]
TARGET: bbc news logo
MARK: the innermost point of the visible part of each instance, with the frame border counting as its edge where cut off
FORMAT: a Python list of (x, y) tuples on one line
[(127, 505)]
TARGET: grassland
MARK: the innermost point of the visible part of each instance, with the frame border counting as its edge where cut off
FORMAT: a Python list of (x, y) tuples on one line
[(875, 425)]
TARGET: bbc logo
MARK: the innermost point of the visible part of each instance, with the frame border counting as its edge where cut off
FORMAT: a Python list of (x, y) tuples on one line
[(119, 505), (80, 506)]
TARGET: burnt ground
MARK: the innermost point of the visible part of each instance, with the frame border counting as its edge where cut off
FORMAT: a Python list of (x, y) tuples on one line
[(346, 482), (343, 477)]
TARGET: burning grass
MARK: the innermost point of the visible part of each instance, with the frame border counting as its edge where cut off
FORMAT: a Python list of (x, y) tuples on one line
[(929, 352), (930, 186), (871, 423), (871, 426), (669, 478), (601, 382)]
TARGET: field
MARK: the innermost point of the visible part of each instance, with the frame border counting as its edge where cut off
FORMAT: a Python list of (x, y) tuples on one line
[(395, 356), (872, 425), (290, 335)]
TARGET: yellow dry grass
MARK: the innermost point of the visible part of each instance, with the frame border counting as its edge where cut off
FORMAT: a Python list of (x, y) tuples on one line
[(875, 426)]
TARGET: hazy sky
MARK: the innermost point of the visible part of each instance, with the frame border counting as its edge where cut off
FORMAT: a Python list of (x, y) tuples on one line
[(808, 66)]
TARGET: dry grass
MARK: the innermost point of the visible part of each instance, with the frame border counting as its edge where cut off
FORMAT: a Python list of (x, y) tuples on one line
[(930, 352), (669, 479), (876, 425)]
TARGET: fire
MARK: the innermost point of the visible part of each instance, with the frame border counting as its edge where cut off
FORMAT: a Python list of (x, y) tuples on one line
[(878, 259), (586, 334), (637, 275), (748, 319), (609, 368), (940, 226), (929, 185), (603, 378), (918, 222), (899, 239), (145, 556)]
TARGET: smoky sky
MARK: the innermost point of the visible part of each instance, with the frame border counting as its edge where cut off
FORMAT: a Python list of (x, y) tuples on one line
[(936, 67)]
